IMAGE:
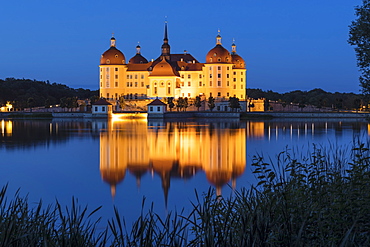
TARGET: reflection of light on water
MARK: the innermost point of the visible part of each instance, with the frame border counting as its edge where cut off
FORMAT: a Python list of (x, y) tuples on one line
[(6, 128), (172, 150), (126, 116)]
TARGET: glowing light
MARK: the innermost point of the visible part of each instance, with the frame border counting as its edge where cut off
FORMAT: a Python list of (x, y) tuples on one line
[(127, 116)]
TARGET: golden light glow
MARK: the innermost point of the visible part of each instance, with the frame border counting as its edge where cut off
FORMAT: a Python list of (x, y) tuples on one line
[(8, 107), (171, 149), (6, 128)]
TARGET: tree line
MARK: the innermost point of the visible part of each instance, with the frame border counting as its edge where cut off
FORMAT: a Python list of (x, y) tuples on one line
[(316, 97), (24, 93)]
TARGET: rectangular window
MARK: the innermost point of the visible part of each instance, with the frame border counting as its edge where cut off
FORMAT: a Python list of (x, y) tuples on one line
[(219, 83), (128, 77), (227, 75), (241, 73), (189, 84), (218, 75), (189, 76), (234, 86), (227, 68), (241, 79), (135, 83), (210, 75), (151, 108), (158, 108), (200, 76), (168, 90), (227, 83), (142, 84), (182, 76), (219, 94), (116, 69), (227, 94), (142, 76), (219, 68), (135, 76), (116, 95), (189, 95), (116, 76), (234, 73), (96, 108), (234, 79), (210, 83), (128, 84), (200, 84), (210, 68), (116, 84), (101, 76), (241, 87)]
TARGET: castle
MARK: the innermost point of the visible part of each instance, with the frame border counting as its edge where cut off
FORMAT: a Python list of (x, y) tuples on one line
[(223, 75)]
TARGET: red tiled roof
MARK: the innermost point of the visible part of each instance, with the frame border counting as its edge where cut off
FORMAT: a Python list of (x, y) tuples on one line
[(156, 102)]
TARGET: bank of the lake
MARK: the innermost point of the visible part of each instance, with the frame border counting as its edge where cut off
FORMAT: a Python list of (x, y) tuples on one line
[(269, 115)]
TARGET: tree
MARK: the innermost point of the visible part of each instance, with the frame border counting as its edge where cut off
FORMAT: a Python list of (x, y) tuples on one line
[(122, 102), (180, 103), (211, 103), (198, 102), (234, 103), (170, 103), (30, 103), (185, 103), (359, 36)]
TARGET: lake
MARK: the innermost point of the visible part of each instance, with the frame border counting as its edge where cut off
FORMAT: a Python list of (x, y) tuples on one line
[(121, 162)]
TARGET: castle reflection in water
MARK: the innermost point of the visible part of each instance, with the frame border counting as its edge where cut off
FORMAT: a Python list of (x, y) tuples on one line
[(172, 149)]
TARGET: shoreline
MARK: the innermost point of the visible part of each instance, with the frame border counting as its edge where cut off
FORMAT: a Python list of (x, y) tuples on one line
[(191, 114)]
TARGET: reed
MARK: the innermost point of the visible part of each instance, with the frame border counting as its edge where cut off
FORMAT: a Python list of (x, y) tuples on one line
[(319, 199)]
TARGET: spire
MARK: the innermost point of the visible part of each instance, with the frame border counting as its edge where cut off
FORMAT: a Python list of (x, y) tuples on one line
[(165, 47), (233, 48), (165, 31), (218, 38), (112, 41)]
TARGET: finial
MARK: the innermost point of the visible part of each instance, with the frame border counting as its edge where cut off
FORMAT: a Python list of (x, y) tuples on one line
[(112, 34), (218, 38), (165, 19)]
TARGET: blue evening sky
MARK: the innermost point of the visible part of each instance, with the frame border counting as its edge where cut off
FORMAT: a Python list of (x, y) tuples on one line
[(287, 44)]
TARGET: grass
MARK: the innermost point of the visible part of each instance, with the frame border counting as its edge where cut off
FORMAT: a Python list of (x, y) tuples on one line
[(319, 200)]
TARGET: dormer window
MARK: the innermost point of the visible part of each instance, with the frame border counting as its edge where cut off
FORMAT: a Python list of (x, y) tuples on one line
[(219, 59)]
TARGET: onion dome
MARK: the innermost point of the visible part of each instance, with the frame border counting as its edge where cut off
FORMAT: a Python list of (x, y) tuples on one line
[(138, 58), (163, 68), (237, 60), (112, 56), (218, 54)]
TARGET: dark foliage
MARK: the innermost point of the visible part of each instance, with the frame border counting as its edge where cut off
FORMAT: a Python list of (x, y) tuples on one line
[(316, 97), (359, 37), (31, 93)]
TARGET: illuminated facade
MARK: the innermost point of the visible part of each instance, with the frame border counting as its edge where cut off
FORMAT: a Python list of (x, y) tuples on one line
[(223, 75)]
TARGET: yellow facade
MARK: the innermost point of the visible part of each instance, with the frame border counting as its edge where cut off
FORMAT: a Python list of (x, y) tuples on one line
[(223, 75)]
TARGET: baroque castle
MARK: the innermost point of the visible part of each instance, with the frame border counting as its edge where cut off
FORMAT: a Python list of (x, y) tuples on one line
[(223, 75)]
